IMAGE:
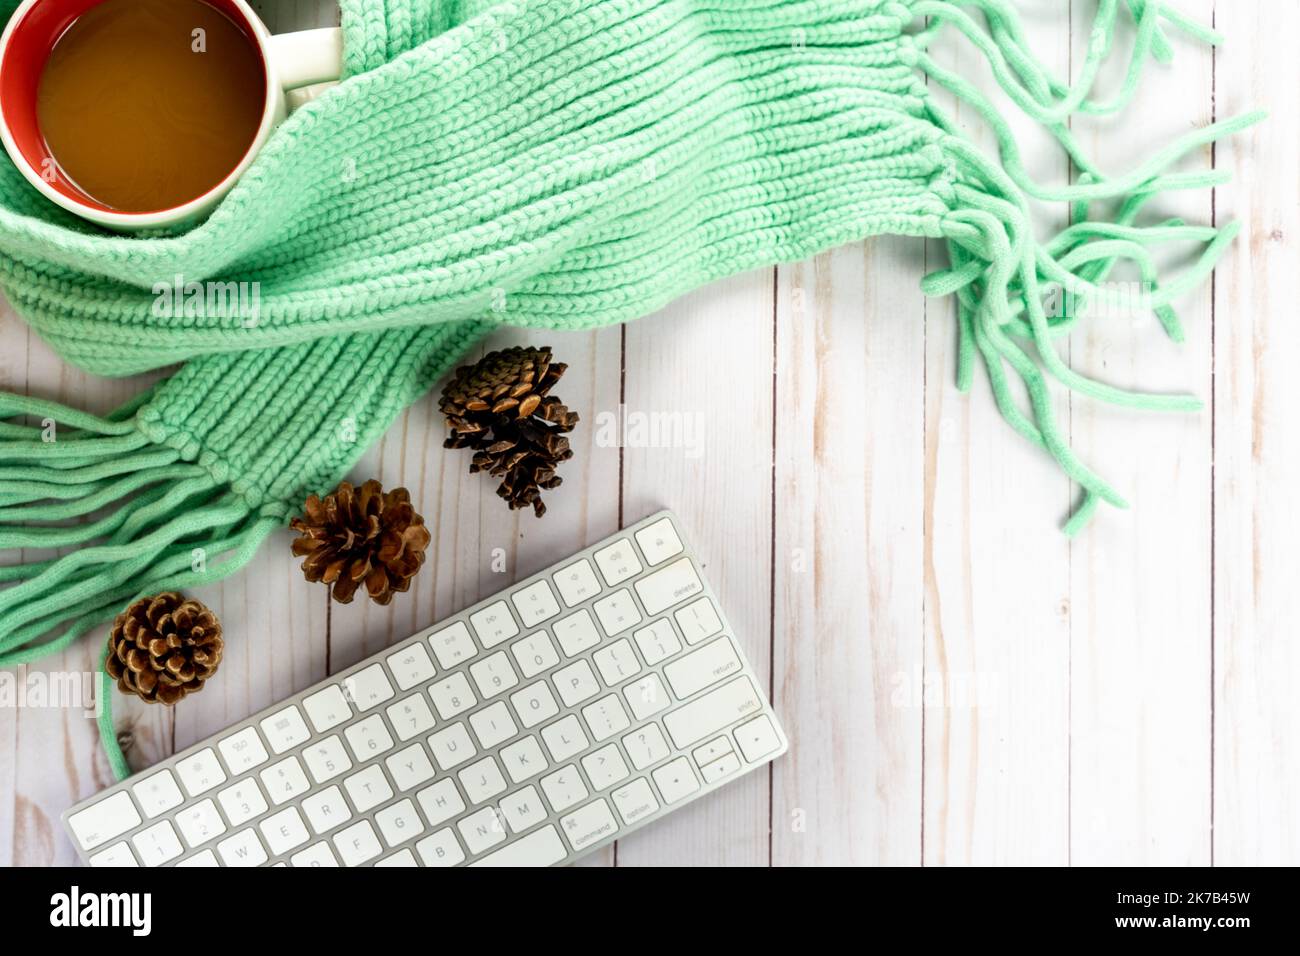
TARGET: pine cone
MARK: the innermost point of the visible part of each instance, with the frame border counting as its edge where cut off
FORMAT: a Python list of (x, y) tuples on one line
[(361, 535), (162, 648), (500, 407)]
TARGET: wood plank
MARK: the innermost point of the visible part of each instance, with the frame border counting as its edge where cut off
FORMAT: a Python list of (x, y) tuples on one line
[(715, 472), (1257, 448), (996, 671), (847, 655), (1140, 580)]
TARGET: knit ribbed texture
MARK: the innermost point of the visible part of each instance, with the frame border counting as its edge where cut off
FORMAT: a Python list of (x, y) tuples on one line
[(540, 163)]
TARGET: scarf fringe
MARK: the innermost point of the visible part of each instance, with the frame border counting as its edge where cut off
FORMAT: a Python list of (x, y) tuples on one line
[(156, 523), (1001, 274)]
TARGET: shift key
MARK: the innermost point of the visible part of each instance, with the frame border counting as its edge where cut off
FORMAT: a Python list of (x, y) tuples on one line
[(712, 712), (670, 585)]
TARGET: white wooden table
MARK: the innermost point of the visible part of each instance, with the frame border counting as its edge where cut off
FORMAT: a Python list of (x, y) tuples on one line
[(960, 682)]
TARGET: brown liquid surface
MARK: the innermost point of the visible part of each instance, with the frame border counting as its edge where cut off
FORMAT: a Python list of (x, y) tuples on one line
[(135, 116)]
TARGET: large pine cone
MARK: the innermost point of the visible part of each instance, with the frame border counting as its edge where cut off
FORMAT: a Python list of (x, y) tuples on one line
[(162, 648), (361, 535), (500, 407)]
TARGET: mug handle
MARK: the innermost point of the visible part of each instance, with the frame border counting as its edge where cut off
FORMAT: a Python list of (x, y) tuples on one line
[(308, 58)]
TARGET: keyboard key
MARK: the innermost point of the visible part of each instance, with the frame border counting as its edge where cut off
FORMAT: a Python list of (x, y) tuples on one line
[(357, 844), (671, 585), (203, 858), (542, 848), (401, 858), (243, 751), (576, 683), (534, 654), (410, 717), (242, 849), (647, 697), (722, 767), (200, 823), (327, 708), (410, 767), (326, 759), (452, 695), (676, 780), (158, 793), (564, 788), (659, 541), (646, 746), (697, 670), (482, 830), (534, 704), (493, 725), (617, 612), (698, 620), (523, 809), (440, 849), (369, 738), (326, 810), (242, 802), (715, 748), (284, 830), (452, 747), (399, 823), (119, 854), (605, 767), (576, 583), (318, 854), (606, 717), (441, 802), (719, 708), (368, 788), (482, 780), (284, 780), (410, 666), (635, 802), (200, 772), (158, 844), (453, 645), (523, 759), (493, 675), (368, 687), (589, 825), (564, 738), (535, 603), (757, 738), (657, 642), (617, 562), (617, 662), (285, 730), (576, 633), (494, 624)]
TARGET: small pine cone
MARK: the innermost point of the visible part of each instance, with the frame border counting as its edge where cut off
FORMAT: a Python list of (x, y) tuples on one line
[(162, 648), (501, 408), (361, 535)]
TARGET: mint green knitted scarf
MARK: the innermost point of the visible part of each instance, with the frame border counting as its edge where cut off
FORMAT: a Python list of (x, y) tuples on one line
[(554, 164)]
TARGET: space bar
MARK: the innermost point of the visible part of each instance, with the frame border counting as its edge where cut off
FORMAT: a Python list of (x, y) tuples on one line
[(541, 848)]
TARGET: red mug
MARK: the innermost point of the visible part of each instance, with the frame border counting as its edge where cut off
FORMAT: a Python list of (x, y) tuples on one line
[(290, 61)]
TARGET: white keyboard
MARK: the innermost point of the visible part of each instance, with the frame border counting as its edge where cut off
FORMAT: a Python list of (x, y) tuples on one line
[(528, 730)]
